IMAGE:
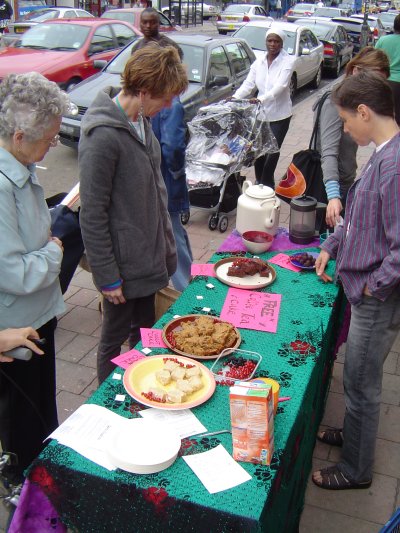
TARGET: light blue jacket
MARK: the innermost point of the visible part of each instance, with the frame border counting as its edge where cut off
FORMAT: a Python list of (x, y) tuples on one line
[(30, 293)]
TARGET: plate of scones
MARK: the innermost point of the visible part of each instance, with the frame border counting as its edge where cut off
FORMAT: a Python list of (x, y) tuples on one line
[(169, 381)]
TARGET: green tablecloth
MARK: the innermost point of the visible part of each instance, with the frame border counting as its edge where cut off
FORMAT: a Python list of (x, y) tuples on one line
[(299, 356)]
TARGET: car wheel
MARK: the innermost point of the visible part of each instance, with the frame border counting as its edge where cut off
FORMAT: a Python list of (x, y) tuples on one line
[(317, 78), (293, 85), (71, 84), (222, 32), (337, 69)]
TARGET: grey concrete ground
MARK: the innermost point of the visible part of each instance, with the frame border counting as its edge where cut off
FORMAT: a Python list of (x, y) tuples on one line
[(325, 512)]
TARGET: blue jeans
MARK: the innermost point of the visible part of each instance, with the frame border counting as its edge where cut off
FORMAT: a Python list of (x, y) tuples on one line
[(373, 328), (180, 279)]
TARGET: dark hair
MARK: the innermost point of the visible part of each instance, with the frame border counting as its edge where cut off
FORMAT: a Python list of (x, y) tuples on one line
[(366, 88), (396, 24), (150, 11)]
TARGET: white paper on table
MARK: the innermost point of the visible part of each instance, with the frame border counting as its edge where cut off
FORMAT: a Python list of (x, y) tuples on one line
[(88, 430), (184, 422), (216, 469)]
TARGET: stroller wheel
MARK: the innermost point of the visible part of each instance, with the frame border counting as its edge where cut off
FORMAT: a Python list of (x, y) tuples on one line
[(185, 217), (213, 222), (223, 224)]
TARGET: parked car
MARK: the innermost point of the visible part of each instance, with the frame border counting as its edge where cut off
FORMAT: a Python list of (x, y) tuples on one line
[(237, 15), (354, 28), (347, 8), (329, 12), (215, 67), (384, 5), (65, 50), (387, 19), (188, 8), (132, 16), (15, 29), (300, 42), (375, 25), (338, 48), (298, 11)]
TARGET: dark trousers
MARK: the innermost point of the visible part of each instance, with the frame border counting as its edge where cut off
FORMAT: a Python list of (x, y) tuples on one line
[(28, 417), (265, 165), (121, 322)]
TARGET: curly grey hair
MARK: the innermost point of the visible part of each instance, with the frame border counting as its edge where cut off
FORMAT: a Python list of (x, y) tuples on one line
[(29, 102)]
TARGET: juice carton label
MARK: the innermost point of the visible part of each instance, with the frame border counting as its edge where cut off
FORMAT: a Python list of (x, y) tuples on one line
[(252, 423)]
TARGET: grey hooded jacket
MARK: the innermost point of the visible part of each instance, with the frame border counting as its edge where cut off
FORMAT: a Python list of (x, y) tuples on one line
[(338, 150), (125, 223)]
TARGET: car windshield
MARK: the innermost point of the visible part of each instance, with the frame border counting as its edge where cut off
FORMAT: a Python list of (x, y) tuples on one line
[(41, 14), (124, 15), (54, 37), (387, 17), (327, 12), (255, 36), (319, 30), (193, 59), (302, 8), (237, 9)]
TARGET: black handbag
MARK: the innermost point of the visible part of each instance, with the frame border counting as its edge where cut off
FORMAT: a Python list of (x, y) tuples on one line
[(304, 174), (65, 225)]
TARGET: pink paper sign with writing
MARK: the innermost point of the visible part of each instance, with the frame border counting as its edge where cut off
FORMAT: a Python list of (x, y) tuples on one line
[(283, 260), (152, 338), (126, 359), (252, 310), (202, 270)]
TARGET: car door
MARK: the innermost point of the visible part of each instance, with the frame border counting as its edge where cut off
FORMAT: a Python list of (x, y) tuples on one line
[(345, 45), (123, 34), (219, 79), (240, 61), (308, 58), (259, 13)]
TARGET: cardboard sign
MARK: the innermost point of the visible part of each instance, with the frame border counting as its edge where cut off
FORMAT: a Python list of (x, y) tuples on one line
[(152, 338)]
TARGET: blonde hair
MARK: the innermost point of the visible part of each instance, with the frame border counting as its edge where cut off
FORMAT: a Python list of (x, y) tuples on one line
[(156, 70)]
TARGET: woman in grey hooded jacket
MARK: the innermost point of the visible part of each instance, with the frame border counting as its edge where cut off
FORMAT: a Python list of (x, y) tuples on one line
[(125, 223)]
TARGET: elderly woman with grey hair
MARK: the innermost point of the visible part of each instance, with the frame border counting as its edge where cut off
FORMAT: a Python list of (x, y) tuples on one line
[(30, 258)]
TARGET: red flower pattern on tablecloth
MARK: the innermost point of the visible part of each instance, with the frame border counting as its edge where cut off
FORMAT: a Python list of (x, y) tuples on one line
[(302, 347), (158, 496), (40, 475)]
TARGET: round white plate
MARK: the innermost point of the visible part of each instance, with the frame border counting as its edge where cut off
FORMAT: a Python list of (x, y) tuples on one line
[(142, 447), (248, 282)]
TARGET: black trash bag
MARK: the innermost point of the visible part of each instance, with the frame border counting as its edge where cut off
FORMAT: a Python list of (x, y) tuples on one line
[(65, 225)]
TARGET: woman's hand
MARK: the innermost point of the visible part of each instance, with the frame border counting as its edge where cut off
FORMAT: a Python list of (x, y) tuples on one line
[(333, 211), (115, 296), (57, 241), (13, 338), (320, 264)]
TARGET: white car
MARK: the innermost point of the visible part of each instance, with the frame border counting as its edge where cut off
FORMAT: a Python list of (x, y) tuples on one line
[(188, 9), (375, 25), (237, 15), (300, 42)]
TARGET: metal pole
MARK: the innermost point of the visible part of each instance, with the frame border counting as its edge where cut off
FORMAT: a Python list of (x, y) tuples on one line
[(365, 26)]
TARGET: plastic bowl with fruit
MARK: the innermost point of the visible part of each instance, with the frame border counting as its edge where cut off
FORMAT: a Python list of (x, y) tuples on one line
[(235, 365), (257, 242), (304, 260)]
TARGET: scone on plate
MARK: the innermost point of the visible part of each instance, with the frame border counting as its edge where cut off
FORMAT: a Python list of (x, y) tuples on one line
[(170, 365), (196, 383), (194, 371), (163, 377), (176, 396), (184, 385), (159, 395), (178, 373)]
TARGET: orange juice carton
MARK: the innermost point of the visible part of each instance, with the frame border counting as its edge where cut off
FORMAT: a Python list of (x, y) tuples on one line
[(252, 421)]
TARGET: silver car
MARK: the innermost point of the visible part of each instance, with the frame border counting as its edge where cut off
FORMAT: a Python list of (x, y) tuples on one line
[(387, 19), (298, 11), (375, 25), (300, 42), (237, 15)]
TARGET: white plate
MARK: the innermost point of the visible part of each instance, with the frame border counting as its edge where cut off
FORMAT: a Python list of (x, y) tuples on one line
[(135, 446), (248, 282)]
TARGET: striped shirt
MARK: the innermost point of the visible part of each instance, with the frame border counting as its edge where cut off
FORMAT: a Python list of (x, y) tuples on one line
[(367, 246)]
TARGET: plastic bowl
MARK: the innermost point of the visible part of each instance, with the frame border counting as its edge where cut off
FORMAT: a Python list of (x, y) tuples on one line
[(257, 242), (235, 365)]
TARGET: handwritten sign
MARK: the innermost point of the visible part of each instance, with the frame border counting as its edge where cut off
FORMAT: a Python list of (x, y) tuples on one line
[(283, 261), (202, 270), (126, 359), (252, 310), (152, 338)]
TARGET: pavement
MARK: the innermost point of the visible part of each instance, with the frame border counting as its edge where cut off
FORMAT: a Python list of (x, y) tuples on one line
[(356, 511)]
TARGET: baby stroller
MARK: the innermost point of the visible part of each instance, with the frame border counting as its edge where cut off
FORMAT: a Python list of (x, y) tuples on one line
[(224, 138)]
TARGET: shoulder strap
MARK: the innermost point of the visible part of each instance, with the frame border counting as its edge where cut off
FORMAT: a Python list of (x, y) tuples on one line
[(313, 140)]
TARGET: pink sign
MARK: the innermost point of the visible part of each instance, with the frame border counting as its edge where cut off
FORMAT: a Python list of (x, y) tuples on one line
[(252, 310), (202, 270), (152, 338), (126, 359), (283, 260)]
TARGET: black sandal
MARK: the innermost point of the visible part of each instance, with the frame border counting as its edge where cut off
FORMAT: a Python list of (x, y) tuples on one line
[(334, 479), (331, 436)]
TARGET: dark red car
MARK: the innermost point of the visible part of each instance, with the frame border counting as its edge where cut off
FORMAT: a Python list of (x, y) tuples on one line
[(65, 51)]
